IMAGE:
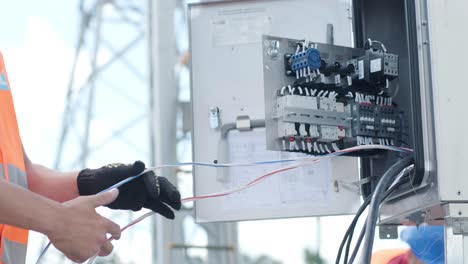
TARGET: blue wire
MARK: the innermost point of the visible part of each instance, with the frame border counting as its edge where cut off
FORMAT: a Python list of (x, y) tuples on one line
[(108, 189), (215, 166), (227, 165), (121, 183)]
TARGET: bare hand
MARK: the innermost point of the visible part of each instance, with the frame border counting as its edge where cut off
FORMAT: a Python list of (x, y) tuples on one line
[(80, 232)]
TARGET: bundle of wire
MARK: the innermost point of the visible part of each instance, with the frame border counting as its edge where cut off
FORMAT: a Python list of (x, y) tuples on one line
[(389, 182), (300, 162)]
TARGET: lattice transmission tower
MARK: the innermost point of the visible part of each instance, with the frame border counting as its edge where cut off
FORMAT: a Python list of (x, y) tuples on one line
[(123, 104)]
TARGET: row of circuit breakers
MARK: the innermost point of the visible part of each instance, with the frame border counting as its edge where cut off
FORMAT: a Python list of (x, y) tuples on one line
[(336, 98)]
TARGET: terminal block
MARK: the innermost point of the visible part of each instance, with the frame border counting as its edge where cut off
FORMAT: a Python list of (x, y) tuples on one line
[(377, 123), (331, 98), (307, 59)]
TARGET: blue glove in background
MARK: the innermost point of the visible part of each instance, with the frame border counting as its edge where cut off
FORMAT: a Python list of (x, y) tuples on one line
[(426, 243)]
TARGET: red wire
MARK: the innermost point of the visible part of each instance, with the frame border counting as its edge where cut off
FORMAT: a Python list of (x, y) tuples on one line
[(248, 185)]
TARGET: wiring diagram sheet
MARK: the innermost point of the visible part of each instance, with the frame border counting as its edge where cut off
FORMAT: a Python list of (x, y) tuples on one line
[(287, 189), (240, 26)]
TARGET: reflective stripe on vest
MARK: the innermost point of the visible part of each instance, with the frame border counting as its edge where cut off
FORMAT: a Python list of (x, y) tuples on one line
[(13, 252), (15, 175)]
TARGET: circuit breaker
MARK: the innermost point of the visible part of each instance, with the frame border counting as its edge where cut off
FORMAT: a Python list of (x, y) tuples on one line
[(323, 98)]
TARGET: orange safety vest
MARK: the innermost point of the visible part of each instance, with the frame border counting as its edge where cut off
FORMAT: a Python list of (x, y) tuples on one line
[(13, 240)]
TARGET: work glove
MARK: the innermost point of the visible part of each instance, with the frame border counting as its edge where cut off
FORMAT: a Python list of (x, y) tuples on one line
[(148, 191)]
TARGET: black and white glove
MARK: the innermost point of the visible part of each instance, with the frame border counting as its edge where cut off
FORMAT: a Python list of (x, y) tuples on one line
[(148, 191)]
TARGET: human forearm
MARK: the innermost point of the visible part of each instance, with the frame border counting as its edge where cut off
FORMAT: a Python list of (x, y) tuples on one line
[(22, 208), (58, 186), (73, 227)]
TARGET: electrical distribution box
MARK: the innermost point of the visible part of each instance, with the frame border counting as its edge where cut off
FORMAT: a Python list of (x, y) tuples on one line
[(267, 84), (404, 47), (229, 110)]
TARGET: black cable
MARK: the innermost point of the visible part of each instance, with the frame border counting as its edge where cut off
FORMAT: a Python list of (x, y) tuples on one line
[(349, 234), (350, 239), (350, 231), (348, 245), (358, 244), (402, 181), (351, 228), (386, 180)]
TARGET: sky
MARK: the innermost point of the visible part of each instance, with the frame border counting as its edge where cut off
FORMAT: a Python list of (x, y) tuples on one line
[(37, 43), (38, 59), (37, 40)]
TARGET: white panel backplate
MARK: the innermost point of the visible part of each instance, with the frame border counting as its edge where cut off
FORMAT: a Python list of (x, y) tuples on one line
[(227, 72)]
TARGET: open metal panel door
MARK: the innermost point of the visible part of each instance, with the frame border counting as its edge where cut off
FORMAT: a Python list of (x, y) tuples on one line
[(439, 141), (227, 86), (448, 68)]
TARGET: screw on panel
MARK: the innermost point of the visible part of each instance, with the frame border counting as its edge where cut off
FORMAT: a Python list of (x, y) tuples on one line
[(273, 51), (336, 186), (459, 213), (459, 193)]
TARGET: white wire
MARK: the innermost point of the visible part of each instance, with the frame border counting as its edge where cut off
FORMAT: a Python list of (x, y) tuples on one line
[(148, 214), (282, 90), (226, 165)]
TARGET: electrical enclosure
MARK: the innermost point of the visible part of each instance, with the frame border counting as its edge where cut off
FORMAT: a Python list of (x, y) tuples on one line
[(227, 93)]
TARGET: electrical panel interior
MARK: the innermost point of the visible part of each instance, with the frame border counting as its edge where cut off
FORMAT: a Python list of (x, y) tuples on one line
[(323, 98)]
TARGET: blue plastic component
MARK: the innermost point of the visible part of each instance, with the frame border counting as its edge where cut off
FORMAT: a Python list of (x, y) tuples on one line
[(426, 243), (309, 58)]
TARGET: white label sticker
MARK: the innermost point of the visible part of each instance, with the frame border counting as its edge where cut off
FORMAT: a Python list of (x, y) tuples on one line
[(361, 69), (337, 79), (376, 65), (240, 28), (350, 80)]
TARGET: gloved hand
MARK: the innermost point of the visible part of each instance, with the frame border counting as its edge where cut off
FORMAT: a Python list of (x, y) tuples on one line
[(148, 190), (426, 242)]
